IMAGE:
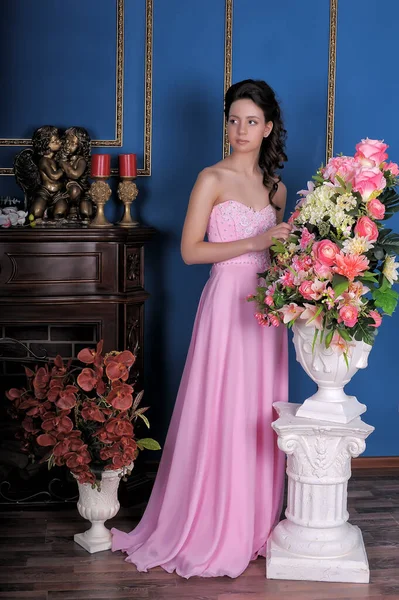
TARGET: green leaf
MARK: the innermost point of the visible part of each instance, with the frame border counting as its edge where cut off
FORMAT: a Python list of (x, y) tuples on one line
[(389, 243), (383, 233), (345, 335), (148, 443), (316, 333), (369, 276), (385, 285), (144, 418), (278, 246), (329, 338), (339, 284), (318, 178), (386, 299), (341, 181), (363, 331), (390, 199), (317, 313)]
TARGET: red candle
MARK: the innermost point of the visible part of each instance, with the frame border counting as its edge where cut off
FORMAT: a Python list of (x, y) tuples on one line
[(127, 165), (100, 165)]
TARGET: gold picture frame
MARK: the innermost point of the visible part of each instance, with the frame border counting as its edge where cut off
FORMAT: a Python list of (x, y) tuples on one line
[(332, 68), (118, 140), (228, 62)]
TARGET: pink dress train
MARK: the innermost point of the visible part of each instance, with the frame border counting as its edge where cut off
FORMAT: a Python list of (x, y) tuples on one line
[(218, 491)]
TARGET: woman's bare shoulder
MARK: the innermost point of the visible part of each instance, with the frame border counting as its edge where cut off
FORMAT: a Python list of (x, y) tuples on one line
[(281, 187), (214, 174)]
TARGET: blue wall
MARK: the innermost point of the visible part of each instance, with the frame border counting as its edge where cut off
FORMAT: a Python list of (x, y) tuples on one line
[(278, 42)]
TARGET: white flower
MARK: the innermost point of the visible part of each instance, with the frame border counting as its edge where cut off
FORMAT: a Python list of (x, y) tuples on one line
[(356, 245), (318, 206), (5, 221), (22, 217), (347, 231), (12, 216), (346, 202), (390, 269)]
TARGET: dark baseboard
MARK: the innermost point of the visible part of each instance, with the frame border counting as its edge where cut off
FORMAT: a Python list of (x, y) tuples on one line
[(376, 462), (363, 462)]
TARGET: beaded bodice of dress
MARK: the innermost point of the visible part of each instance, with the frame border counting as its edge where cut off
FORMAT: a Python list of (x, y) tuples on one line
[(232, 220)]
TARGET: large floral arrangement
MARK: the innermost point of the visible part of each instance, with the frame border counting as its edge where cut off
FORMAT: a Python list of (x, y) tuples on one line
[(337, 268), (82, 416)]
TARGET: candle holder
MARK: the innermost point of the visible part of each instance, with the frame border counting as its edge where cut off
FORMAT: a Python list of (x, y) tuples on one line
[(100, 192), (127, 192)]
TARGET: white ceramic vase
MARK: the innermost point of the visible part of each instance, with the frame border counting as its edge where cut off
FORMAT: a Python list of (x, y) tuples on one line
[(98, 507), (329, 371)]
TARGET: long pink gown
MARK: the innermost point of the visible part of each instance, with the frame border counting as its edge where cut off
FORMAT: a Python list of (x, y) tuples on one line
[(218, 492)]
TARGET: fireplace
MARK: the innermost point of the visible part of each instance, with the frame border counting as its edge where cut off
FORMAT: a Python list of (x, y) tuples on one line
[(62, 290)]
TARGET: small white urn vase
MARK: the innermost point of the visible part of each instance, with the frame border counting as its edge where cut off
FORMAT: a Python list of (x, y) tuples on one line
[(98, 507), (330, 371)]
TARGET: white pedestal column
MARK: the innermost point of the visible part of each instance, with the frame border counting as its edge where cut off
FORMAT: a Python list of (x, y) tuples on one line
[(315, 542)]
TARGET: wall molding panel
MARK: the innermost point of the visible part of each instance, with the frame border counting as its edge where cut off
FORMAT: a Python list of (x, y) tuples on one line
[(332, 68), (119, 91)]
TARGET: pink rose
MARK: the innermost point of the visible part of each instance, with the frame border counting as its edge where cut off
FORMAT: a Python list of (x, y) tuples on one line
[(368, 182), (325, 252), (376, 209), (371, 150), (374, 314), (365, 227), (348, 314), (393, 167), (343, 166), (306, 290)]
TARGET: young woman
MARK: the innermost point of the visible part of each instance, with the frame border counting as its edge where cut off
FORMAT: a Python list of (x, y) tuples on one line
[(218, 491)]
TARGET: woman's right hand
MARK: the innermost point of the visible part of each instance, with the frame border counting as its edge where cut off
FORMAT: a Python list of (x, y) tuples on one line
[(265, 240)]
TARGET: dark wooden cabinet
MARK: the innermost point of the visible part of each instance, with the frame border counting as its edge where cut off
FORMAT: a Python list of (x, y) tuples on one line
[(64, 289), (63, 279)]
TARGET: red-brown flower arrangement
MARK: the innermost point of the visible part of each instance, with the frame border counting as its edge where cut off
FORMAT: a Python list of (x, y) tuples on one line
[(83, 416)]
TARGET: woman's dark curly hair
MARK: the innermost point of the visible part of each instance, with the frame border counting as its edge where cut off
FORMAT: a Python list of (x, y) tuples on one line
[(272, 154), (41, 138)]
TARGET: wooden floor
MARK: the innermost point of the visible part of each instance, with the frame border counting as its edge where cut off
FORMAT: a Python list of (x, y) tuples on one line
[(40, 561)]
